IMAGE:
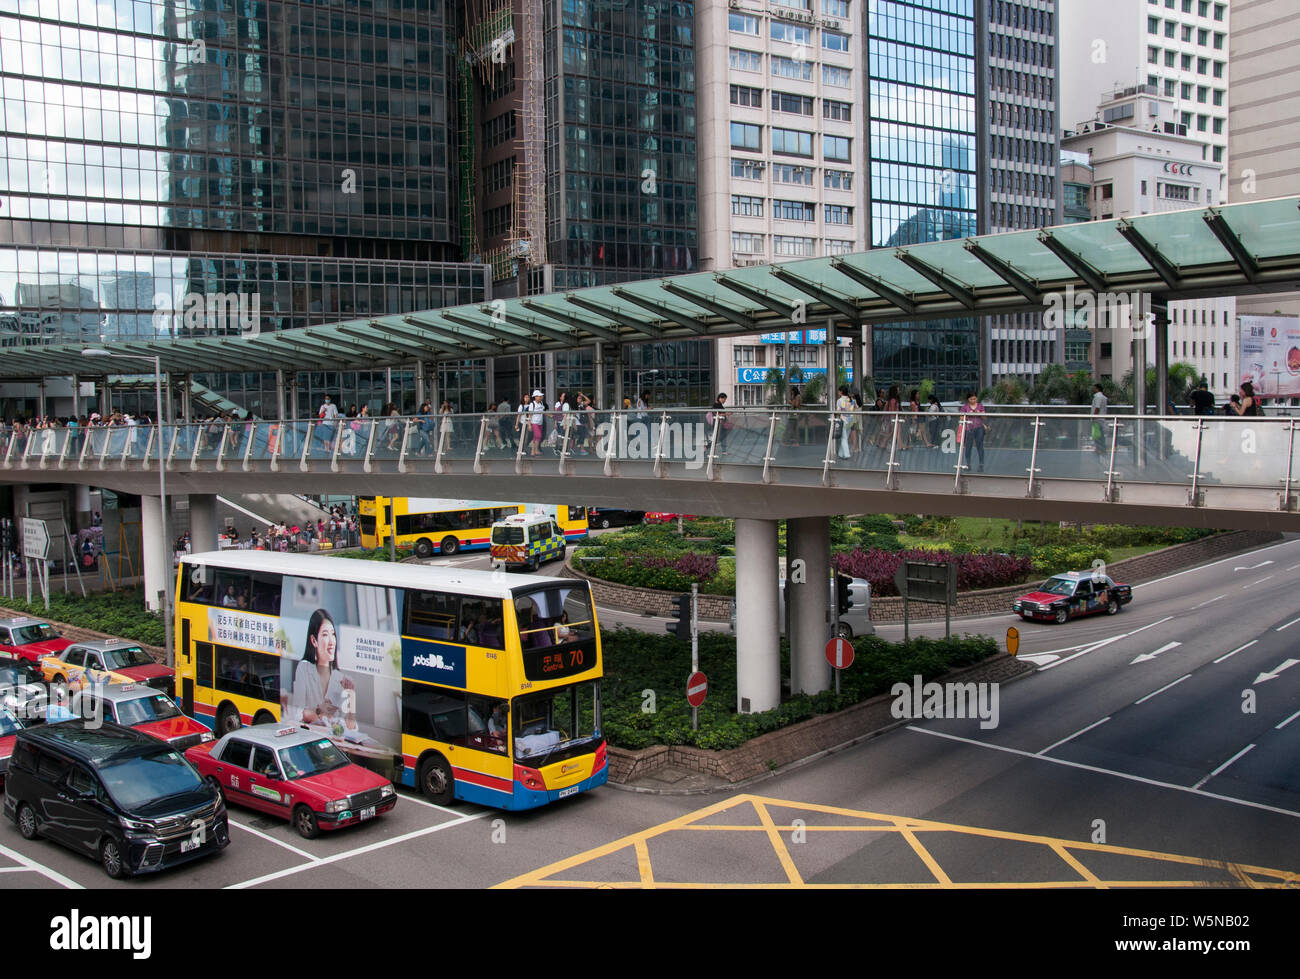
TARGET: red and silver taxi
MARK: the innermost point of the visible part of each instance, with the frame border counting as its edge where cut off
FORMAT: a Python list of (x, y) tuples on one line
[(1070, 595), (294, 773), (9, 728), (145, 709), (25, 637), (107, 661)]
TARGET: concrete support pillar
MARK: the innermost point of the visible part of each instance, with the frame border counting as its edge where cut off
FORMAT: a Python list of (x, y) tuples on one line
[(187, 406), (1139, 332), (618, 376), (1161, 329), (203, 522), (76, 396), (832, 365), (292, 390), (808, 560), (435, 398), (105, 398), (40, 400), (758, 643), (82, 494), (419, 384), (858, 373), (279, 394), (157, 551), (599, 384)]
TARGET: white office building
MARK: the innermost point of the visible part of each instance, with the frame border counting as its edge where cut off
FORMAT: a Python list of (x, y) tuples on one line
[(1144, 161)]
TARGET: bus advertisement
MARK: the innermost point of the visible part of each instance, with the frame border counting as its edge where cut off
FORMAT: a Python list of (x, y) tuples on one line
[(435, 526), (450, 681)]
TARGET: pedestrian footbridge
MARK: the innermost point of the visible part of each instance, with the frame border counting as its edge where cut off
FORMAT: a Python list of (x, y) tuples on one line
[(759, 463)]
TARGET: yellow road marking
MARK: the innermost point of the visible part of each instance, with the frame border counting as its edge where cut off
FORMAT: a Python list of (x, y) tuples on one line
[(1071, 852)]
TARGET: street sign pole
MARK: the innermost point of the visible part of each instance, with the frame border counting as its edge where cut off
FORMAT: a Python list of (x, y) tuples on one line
[(695, 645), (835, 623)]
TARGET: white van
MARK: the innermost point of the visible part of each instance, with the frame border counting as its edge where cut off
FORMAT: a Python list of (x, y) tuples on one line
[(855, 622)]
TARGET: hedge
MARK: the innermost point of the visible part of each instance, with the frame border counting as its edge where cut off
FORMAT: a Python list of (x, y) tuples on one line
[(120, 613)]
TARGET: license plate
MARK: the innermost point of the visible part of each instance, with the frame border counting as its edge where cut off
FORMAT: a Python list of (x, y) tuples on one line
[(188, 845), (565, 793), (368, 812)]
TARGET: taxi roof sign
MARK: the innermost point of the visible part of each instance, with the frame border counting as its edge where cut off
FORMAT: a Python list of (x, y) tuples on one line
[(285, 732)]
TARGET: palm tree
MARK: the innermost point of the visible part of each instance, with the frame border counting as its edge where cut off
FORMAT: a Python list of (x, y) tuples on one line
[(1181, 380), (1008, 391)]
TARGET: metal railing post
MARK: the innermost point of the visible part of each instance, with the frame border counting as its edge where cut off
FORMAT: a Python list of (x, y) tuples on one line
[(891, 477), (1194, 497), (401, 450), (1290, 467), (525, 433), (830, 449), (478, 449), (768, 458), (148, 449), (221, 449), (126, 444), (370, 448), (1110, 468), (338, 443), (67, 441), (9, 448), (199, 432), (713, 446), (564, 440), (281, 434), (1031, 490), (85, 447), (444, 434), (659, 443), (248, 449), (306, 446), (961, 452), (617, 422)]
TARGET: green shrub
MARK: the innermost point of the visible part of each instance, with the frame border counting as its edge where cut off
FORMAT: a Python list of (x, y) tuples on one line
[(120, 614), (876, 523)]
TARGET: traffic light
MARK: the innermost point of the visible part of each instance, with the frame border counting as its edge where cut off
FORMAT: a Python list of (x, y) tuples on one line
[(843, 597), (681, 626)]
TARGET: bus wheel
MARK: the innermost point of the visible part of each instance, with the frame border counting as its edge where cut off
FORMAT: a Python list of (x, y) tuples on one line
[(228, 719), (263, 717), (436, 781), (424, 548), (450, 545)]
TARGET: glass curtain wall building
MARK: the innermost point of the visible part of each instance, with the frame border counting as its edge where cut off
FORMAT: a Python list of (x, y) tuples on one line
[(297, 157), (925, 165)]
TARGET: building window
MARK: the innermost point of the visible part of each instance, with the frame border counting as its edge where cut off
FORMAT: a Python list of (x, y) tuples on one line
[(843, 111), (835, 8), (794, 210), (837, 214), (749, 207), (496, 220), (837, 77), (1171, 59), (747, 169), (1218, 96), (787, 246), (1153, 56), (789, 173), (798, 104), (742, 24), (744, 356), (747, 244), (789, 68), (745, 136), (791, 33), (837, 148), (742, 60), (835, 41), (791, 142), (835, 246), (1218, 69), (744, 95), (838, 180)]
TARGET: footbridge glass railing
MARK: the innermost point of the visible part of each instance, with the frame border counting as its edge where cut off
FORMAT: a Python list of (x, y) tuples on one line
[(742, 443)]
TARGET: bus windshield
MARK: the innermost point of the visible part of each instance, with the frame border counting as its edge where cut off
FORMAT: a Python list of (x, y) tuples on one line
[(554, 725), (554, 616)]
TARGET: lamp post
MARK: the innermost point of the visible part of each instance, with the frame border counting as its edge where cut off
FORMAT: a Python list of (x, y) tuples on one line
[(640, 391), (162, 488)]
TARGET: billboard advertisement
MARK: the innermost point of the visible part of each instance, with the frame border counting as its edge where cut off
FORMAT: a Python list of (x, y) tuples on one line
[(1270, 354)]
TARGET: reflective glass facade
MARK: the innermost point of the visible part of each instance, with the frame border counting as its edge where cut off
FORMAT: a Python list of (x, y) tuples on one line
[(300, 153), (925, 164)]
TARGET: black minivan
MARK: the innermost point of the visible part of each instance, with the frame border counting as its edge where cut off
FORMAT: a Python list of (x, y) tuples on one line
[(115, 794)]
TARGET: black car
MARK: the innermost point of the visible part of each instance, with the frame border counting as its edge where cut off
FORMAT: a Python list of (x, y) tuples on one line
[(115, 794), (603, 517)]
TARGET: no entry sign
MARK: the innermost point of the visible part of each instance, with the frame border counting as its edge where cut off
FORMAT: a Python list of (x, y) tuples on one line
[(697, 688), (839, 653)]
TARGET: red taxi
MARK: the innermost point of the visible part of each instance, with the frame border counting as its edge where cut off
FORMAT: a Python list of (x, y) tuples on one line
[(294, 773), (148, 711), (9, 728), (28, 638), (1073, 594)]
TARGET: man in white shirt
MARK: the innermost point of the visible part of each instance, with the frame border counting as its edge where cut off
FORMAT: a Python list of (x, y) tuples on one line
[(1099, 404)]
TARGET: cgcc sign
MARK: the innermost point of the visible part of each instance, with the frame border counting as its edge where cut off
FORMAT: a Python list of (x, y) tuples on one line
[(36, 539)]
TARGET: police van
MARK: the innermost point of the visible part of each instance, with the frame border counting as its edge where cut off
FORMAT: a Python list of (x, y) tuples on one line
[(526, 540)]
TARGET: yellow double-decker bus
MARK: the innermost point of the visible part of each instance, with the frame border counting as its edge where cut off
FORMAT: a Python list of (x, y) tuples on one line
[(463, 684), (434, 526)]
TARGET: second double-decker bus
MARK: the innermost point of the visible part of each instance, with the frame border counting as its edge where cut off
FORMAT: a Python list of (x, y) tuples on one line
[(434, 526), (459, 683)]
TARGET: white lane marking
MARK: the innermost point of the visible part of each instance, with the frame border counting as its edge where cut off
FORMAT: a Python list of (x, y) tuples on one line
[(1210, 602), (432, 805), (1162, 689), (1278, 727), (1038, 659), (1236, 651), (322, 861), (1293, 567), (1105, 642), (1260, 582), (1150, 656), (1074, 735), (1205, 567), (16, 870), (1108, 771), (1287, 626), (30, 864), (268, 837), (1223, 766), (1254, 567), (1272, 674)]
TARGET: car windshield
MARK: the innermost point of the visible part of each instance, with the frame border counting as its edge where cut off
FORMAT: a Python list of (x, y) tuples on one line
[(135, 781), (38, 632), (507, 535), (128, 656), (311, 759), (142, 710), (14, 674), (1058, 586), (8, 723)]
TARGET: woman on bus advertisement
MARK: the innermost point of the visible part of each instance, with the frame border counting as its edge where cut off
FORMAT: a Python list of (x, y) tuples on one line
[(341, 669)]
